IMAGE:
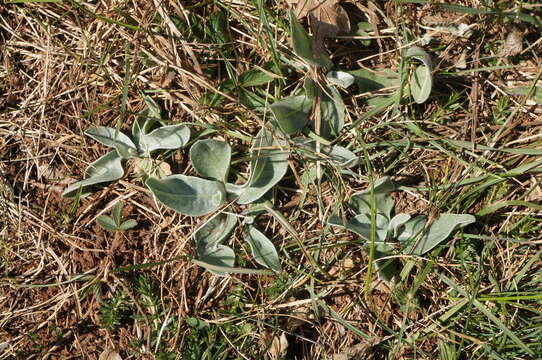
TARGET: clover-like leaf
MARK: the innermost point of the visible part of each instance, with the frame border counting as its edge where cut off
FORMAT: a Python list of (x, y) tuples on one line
[(340, 78), (112, 138), (263, 250), (105, 169), (220, 255), (292, 113), (302, 44), (439, 231), (332, 112), (188, 195), (421, 81), (165, 137), (211, 158), (214, 231), (107, 222), (268, 166)]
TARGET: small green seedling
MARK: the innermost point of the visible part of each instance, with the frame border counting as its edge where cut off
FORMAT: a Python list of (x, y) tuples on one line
[(143, 143), (116, 223), (411, 235)]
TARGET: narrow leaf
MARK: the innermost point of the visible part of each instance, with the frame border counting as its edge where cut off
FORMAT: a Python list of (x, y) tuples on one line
[(142, 124), (292, 113), (387, 268), (165, 137), (105, 169), (211, 158), (254, 78), (110, 137), (117, 210), (263, 250), (336, 155), (188, 195)]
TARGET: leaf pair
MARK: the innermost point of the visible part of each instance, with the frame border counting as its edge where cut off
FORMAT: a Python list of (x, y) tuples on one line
[(210, 236), (115, 223)]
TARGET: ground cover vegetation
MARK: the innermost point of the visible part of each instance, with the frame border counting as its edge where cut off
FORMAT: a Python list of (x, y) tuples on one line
[(270, 179)]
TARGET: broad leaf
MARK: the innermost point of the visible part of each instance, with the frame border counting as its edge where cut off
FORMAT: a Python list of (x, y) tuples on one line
[(368, 81), (411, 232), (214, 231), (165, 137), (211, 158), (421, 81), (220, 255), (332, 112), (361, 202), (263, 250), (439, 231), (110, 137), (268, 166), (105, 169), (188, 195), (292, 113), (302, 44), (340, 78)]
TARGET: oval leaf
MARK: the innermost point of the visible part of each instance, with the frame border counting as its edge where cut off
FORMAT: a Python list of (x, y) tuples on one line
[(421, 81), (214, 231), (165, 137), (105, 169), (263, 250), (396, 223), (292, 113), (188, 195), (268, 167), (211, 158), (387, 268), (107, 223), (340, 78), (336, 155), (110, 137)]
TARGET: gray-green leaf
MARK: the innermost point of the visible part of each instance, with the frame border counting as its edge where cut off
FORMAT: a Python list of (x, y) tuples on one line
[(336, 155), (268, 166), (165, 137), (292, 113), (211, 158), (107, 223), (220, 255), (439, 231), (387, 268), (421, 81), (332, 112), (188, 195), (263, 250), (110, 137), (105, 169), (396, 223), (340, 78), (214, 231)]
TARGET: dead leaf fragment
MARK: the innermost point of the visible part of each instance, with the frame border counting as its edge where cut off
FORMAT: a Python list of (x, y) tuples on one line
[(109, 354), (278, 346), (513, 44)]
